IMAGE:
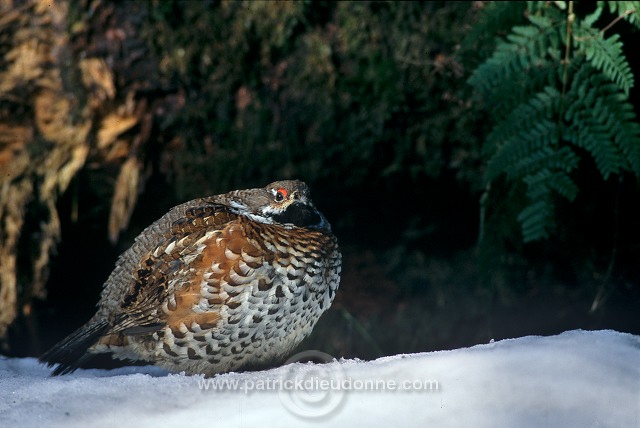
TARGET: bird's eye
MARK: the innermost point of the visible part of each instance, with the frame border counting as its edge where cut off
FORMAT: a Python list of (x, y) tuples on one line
[(281, 194)]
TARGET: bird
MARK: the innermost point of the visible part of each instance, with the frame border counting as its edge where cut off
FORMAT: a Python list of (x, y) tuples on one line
[(221, 283)]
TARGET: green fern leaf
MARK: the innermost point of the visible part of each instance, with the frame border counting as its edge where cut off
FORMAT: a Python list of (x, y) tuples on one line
[(544, 180), (564, 185), (535, 220), (524, 49), (538, 184), (531, 163), (537, 217), (597, 141), (549, 99), (522, 149), (591, 19), (606, 55), (601, 120), (523, 117), (626, 137), (630, 10)]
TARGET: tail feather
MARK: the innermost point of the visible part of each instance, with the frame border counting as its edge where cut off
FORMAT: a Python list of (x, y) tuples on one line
[(71, 352)]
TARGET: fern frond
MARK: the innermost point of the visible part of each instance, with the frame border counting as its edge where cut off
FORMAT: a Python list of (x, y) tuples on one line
[(628, 137), (550, 97), (564, 185), (540, 184), (598, 141), (521, 63), (629, 10), (522, 149), (605, 55), (591, 19), (531, 163), (563, 160), (524, 50), (601, 120), (523, 117), (536, 219)]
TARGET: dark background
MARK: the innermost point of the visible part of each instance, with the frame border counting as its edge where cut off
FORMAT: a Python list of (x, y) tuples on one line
[(368, 103)]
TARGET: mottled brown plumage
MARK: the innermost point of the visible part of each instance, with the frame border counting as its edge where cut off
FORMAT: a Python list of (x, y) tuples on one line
[(222, 283)]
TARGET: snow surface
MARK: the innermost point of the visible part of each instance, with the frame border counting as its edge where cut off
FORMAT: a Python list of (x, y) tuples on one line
[(576, 379)]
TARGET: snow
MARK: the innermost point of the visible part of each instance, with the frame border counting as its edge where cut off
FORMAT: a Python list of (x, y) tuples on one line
[(576, 379)]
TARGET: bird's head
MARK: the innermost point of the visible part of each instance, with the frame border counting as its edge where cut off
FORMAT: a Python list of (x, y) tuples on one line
[(284, 202)]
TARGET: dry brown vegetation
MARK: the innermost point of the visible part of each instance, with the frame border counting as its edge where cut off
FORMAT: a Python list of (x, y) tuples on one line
[(62, 108)]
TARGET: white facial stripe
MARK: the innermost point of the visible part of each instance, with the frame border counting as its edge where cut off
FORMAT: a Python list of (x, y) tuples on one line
[(259, 218), (270, 210), (238, 205)]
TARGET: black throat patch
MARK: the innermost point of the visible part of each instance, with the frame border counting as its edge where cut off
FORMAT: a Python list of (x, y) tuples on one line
[(300, 215)]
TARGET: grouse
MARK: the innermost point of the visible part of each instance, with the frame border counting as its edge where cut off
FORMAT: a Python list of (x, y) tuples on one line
[(221, 283)]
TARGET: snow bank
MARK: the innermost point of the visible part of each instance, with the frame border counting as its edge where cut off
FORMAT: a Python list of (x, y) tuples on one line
[(576, 379)]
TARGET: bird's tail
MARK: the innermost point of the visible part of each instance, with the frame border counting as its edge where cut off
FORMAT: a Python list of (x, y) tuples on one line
[(71, 352)]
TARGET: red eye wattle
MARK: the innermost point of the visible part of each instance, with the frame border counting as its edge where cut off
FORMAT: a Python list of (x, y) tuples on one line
[(281, 194)]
